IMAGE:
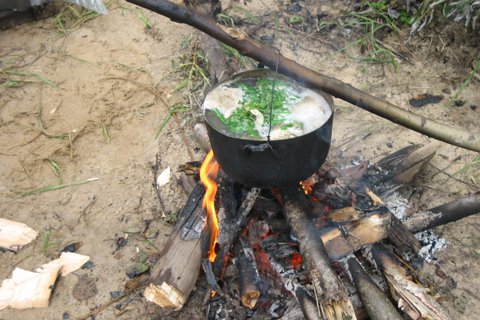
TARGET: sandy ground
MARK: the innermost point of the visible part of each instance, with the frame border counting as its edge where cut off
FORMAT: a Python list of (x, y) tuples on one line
[(112, 74)]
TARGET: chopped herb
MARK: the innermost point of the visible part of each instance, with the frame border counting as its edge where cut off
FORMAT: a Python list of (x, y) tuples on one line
[(259, 97)]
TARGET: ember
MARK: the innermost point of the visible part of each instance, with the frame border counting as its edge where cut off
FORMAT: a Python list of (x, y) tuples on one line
[(209, 172)]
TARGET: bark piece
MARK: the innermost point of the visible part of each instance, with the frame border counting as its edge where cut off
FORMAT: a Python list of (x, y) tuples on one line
[(27, 289), (14, 235)]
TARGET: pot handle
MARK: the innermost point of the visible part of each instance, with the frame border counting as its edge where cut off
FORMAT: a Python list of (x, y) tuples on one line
[(264, 147)]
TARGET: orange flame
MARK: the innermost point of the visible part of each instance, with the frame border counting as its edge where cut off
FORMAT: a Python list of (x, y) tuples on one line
[(307, 185), (209, 172)]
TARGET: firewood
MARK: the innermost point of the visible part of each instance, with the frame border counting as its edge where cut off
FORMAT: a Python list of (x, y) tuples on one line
[(329, 292), (374, 300), (174, 277), (444, 214), (411, 297), (248, 273), (341, 239)]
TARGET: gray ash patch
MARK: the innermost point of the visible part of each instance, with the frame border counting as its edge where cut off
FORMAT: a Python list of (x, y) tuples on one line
[(431, 243)]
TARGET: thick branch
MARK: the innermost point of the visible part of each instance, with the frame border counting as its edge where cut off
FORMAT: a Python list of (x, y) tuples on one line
[(337, 88)]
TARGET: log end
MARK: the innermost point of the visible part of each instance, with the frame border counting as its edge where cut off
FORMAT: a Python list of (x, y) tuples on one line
[(250, 299), (165, 295)]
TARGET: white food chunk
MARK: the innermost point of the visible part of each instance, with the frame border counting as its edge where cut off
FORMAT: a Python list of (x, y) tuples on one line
[(224, 98)]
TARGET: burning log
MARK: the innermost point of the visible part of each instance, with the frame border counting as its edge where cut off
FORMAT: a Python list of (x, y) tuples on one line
[(248, 273), (231, 228), (329, 292), (411, 297), (175, 275), (374, 300)]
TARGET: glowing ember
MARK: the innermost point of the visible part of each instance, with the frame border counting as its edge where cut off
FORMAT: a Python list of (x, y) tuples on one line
[(307, 185), (208, 174)]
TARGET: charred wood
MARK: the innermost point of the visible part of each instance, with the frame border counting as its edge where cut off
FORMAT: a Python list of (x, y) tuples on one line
[(375, 301)]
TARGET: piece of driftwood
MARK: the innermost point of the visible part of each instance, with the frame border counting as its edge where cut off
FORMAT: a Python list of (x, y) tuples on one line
[(174, 277), (374, 300), (275, 61), (411, 297), (329, 292), (247, 273)]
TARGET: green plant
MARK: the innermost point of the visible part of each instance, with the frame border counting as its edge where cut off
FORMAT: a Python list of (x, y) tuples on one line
[(235, 56), (295, 20), (56, 169), (106, 134), (55, 187), (143, 18), (46, 243), (71, 17), (467, 81), (191, 66), (12, 77), (177, 108)]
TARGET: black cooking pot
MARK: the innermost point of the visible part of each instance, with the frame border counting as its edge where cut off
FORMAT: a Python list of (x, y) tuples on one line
[(278, 163)]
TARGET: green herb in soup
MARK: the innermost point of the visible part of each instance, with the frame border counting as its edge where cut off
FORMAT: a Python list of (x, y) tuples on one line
[(259, 97)]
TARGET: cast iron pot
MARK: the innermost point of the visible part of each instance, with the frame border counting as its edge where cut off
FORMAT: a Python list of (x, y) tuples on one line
[(280, 163)]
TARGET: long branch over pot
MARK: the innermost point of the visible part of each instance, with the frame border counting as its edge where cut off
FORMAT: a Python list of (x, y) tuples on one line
[(240, 41)]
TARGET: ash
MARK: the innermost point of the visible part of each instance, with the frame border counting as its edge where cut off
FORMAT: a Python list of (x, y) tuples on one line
[(431, 243), (397, 204)]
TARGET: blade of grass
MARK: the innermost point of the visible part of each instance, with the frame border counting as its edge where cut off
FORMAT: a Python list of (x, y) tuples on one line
[(178, 108), (106, 134), (56, 187)]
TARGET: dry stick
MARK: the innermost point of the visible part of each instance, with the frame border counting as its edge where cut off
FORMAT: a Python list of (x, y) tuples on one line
[(329, 292), (240, 41), (374, 300)]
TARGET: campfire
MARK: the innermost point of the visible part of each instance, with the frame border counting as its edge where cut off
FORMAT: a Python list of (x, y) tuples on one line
[(328, 249)]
